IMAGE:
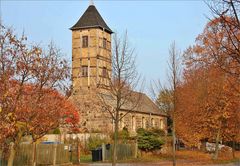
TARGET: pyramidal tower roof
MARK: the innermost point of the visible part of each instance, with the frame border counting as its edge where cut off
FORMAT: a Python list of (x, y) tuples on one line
[(91, 19)]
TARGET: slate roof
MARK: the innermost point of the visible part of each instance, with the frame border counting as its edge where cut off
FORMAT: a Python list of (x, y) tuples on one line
[(144, 104), (91, 19)]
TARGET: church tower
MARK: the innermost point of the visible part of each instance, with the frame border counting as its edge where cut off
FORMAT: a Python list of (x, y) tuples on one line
[(91, 51)]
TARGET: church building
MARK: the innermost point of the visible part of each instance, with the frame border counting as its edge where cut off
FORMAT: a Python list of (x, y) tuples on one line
[(91, 63)]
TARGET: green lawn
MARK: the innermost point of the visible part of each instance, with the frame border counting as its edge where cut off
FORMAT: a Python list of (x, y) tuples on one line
[(86, 158)]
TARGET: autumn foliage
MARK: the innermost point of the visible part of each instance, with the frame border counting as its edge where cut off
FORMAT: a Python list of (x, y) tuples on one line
[(30, 78), (42, 114), (208, 105)]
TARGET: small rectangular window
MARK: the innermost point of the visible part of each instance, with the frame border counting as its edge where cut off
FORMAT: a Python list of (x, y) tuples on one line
[(104, 43), (104, 72), (85, 41), (84, 71)]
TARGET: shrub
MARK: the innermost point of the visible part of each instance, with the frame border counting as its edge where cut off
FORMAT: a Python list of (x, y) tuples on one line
[(124, 135), (159, 132), (95, 142), (57, 131), (149, 140), (54, 131)]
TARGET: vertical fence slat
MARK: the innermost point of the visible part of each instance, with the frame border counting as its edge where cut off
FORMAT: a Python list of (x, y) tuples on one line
[(44, 155), (124, 151)]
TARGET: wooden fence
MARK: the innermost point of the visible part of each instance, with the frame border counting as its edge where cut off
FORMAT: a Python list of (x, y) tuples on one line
[(60, 154), (124, 151), (46, 154), (3, 161)]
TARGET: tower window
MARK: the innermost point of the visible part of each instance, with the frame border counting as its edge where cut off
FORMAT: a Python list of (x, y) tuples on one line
[(104, 72), (85, 41), (104, 43), (84, 71)]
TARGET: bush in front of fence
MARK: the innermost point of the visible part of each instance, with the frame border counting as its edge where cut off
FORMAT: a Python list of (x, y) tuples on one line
[(95, 142), (123, 136), (149, 140)]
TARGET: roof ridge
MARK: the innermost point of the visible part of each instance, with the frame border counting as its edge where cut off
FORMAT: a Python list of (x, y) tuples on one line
[(96, 15)]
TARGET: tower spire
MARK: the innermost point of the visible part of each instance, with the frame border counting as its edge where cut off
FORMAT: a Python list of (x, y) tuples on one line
[(91, 3)]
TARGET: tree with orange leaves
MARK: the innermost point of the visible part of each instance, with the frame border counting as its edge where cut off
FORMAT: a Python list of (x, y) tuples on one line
[(209, 106), (29, 101), (219, 45), (208, 98), (224, 32), (52, 110), (37, 116)]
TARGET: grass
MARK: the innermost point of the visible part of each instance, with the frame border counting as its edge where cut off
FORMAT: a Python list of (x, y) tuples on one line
[(86, 158)]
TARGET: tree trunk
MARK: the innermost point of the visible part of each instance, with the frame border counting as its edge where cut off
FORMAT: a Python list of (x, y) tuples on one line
[(12, 154), (233, 149), (13, 148), (173, 117), (174, 143), (217, 145), (114, 155)]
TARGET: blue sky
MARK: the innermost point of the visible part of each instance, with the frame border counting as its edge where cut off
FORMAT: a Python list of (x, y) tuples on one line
[(152, 25)]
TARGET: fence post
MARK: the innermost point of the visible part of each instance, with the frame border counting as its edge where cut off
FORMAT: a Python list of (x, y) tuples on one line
[(54, 154), (78, 152), (34, 154), (103, 152), (136, 150)]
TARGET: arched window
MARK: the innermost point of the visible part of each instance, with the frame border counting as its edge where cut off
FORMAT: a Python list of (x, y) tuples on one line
[(152, 122), (121, 121), (133, 123), (161, 124), (143, 123)]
